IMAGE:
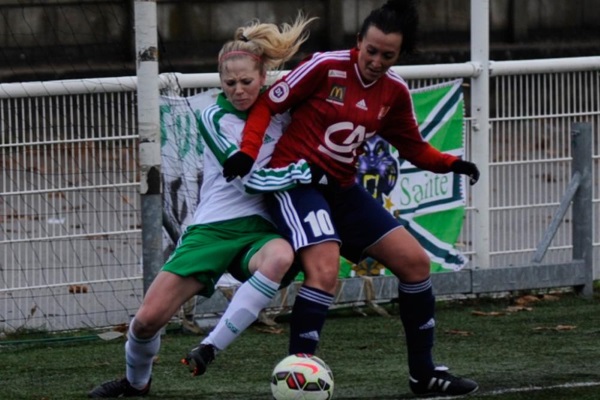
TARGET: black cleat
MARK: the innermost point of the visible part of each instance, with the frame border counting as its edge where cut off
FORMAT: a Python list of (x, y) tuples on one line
[(118, 388), (199, 358), (442, 383)]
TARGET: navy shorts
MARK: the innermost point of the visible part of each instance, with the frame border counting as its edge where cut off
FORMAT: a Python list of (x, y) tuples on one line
[(308, 215)]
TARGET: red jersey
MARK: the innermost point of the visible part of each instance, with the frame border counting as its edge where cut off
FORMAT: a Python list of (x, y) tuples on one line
[(334, 112)]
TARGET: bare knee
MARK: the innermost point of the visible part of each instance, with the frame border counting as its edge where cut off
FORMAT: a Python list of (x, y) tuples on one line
[(420, 268), (413, 267), (321, 265), (277, 267), (282, 260), (273, 260), (402, 254), (322, 277), (146, 324)]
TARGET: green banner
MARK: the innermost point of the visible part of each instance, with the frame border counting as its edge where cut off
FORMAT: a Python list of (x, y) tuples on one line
[(429, 205)]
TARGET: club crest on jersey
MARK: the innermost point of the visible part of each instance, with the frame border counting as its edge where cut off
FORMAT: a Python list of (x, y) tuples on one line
[(279, 92), (337, 93), (382, 113), (334, 73)]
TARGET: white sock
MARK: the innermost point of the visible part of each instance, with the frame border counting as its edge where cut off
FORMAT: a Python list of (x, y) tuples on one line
[(139, 354), (254, 295)]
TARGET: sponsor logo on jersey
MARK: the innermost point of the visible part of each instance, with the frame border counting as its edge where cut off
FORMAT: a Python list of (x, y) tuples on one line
[(334, 73), (342, 139), (337, 93), (362, 105), (268, 139), (382, 113), (279, 92)]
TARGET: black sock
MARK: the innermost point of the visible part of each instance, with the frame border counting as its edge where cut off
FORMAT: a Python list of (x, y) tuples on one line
[(308, 317), (417, 309)]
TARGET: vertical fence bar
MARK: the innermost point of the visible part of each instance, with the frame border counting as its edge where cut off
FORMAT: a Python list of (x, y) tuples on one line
[(480, 130), (581, 147), (149, 131)]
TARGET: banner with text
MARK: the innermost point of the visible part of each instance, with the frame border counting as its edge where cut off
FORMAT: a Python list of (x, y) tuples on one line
[(429, 205)]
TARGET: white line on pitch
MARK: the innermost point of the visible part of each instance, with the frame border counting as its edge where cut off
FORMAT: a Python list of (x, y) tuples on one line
[(538, 388), (526, 389)]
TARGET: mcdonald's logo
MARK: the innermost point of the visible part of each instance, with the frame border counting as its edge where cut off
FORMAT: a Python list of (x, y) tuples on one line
[(337, 94)]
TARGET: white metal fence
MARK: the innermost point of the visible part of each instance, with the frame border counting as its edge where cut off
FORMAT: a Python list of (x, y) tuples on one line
[(69, 243), (530, 157), (70, 236)]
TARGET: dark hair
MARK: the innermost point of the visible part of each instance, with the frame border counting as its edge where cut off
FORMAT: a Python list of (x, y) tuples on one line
[(395, 16)]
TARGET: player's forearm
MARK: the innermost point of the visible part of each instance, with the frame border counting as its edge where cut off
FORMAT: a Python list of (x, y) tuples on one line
[(275, 179), (255, 128), (431, 159)]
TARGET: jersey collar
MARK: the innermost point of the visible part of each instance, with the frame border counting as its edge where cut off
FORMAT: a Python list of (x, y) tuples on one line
[(354, 59), (229, 108)]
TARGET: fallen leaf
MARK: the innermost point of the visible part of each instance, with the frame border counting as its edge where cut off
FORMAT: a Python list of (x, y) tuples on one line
[(555, 328), (264, 318), (518, 308), (120, 328), (487, 314), (190, 326), (550, 297), (110, 335), (565, 327), (526, 300), (271, 330), (458, 332)]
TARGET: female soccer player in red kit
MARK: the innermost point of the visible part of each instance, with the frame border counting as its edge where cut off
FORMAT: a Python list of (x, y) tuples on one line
[(338, 100)]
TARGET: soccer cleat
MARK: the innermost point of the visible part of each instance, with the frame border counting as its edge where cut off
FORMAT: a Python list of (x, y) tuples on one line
[(199, 358), (118, 388), (441, 382)]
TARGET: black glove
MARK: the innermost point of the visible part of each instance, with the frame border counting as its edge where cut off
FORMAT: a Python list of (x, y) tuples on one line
[(238, 164), (466, 168), (322, 179), (319, 176)]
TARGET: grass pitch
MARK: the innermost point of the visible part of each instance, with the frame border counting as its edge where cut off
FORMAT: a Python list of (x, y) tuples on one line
[(528, 347)]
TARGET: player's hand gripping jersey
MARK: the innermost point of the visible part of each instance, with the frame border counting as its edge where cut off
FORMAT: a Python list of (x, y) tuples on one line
[(334, 112), (221, 130)]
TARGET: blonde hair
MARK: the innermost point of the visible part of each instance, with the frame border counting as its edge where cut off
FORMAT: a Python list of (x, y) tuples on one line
[(271, 46)]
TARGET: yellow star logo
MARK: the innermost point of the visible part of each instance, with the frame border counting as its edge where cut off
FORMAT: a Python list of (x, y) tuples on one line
[(387, 202)]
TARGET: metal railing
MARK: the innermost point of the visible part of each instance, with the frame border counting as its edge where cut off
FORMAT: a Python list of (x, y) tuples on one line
[(70, 236)]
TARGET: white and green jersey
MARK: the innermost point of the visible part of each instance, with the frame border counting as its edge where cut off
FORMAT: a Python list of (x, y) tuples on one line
[(220, 126)]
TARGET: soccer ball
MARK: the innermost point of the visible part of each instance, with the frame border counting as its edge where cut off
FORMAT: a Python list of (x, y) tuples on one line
[(302, 377)]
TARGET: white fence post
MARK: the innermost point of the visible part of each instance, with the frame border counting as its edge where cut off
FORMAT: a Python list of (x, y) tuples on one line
[(480, 131), (146, 44)]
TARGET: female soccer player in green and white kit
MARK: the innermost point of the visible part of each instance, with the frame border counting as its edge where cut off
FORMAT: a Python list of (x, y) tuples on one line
[(231, 230)]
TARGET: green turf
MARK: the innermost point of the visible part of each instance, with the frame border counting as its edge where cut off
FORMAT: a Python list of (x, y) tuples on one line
[(515, 355)]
